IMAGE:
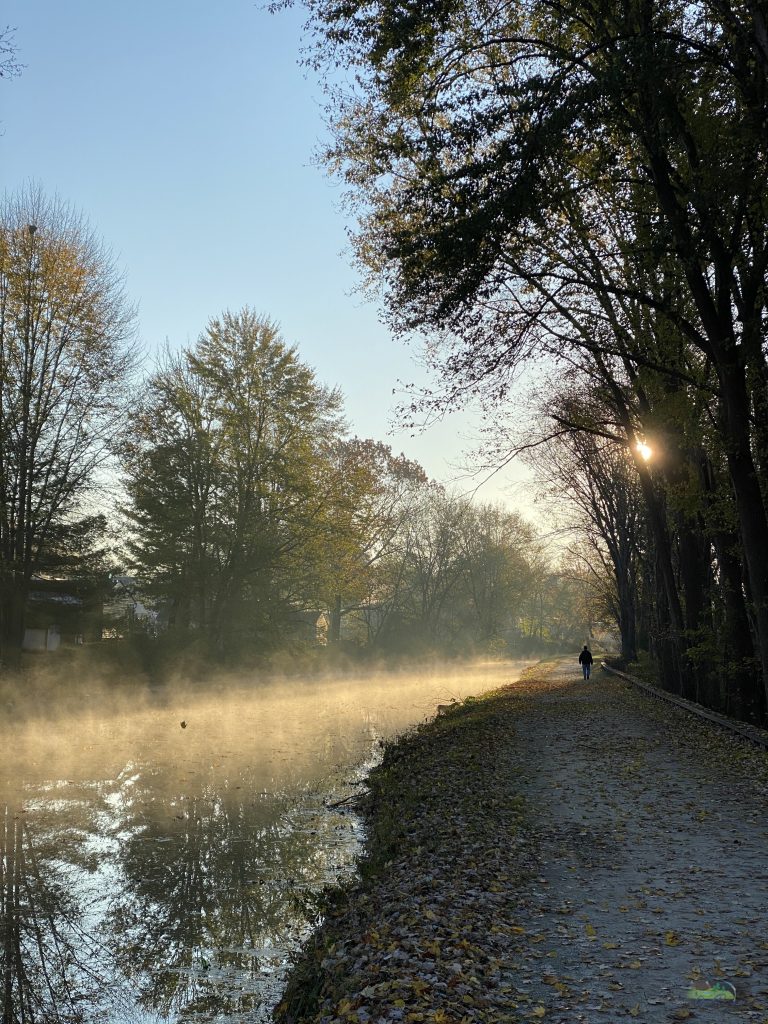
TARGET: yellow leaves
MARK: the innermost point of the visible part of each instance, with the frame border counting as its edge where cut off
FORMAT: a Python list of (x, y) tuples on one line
[(683, 1013), (671, 938), (590, 930), (634, 1011), (610, 945), (440, 1017), (419, 987), (539, 1011)]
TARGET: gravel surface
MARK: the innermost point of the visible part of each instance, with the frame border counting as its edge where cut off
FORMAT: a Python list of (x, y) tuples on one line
[(563, 851)]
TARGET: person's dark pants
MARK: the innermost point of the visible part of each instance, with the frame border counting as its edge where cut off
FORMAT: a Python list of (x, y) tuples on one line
[(586, 669)]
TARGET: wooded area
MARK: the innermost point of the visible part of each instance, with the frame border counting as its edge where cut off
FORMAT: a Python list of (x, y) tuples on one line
[(585, 184), (247, 519), (578, 186)]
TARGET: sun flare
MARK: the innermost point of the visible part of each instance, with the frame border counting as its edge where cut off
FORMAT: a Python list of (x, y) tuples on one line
[(645, 451)]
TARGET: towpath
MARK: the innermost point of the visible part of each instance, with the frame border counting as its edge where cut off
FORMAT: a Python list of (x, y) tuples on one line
[(572, 853)]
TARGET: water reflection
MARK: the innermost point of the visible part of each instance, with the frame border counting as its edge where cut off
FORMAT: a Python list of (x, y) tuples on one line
[(157, 872)]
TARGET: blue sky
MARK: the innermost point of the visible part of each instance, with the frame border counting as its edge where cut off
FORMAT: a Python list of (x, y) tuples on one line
[(185, 132)]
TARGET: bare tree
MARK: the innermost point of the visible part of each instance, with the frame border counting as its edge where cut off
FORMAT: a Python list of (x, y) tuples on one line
[(9, 66)]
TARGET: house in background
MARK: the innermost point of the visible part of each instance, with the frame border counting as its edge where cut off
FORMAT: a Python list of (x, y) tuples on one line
[(62, 612), (310, 627), (126, 609)]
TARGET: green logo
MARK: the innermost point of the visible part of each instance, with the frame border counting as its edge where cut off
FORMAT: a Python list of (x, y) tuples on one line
[(720, 990)]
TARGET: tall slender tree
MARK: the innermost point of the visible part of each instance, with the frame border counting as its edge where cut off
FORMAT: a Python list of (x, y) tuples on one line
[(65, 357)]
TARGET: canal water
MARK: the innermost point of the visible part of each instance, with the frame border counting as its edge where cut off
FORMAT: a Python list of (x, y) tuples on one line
[(161, 851)]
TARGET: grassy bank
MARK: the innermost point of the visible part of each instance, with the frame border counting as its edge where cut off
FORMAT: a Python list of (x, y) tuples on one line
[(412, 934)]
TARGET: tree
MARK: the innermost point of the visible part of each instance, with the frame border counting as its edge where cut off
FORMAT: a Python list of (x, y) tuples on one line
[(455, 577), (372, 494), (495, 544), (65, 359), (525, 171), (227, 478), (595, 489), (172, 465), (9, 66)]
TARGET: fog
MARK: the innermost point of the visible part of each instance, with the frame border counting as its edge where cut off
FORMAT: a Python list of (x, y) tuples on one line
[(162, 846)]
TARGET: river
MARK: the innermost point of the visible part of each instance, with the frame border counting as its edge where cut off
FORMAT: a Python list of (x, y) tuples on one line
[(162, 849)]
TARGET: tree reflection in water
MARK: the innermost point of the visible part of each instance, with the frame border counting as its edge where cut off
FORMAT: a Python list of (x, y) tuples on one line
[(157, 873), (207, 902), (45, 969)]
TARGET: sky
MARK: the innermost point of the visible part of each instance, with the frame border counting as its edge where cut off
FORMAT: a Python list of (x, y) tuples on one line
[(186, 134)]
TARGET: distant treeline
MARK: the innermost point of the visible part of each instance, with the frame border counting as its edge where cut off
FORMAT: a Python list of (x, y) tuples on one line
[(220, 503)]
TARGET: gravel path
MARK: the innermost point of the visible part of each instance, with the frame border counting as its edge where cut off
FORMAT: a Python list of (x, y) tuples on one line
[(652, 847), (565, 851)]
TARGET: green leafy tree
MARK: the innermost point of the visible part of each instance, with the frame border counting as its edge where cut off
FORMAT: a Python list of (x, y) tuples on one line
[(227, 481)]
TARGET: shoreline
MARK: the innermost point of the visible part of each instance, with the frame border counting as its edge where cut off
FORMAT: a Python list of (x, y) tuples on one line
[(405, 930), (518, 866)]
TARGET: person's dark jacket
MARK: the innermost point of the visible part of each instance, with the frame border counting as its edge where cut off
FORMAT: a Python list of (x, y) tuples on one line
[(585, 658)]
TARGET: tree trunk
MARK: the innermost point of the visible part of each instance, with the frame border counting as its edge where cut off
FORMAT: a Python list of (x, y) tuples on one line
[(753, 526), (740, 685), (334, 633), (628, 623), (695, 572), (13, 608), (673, 630)]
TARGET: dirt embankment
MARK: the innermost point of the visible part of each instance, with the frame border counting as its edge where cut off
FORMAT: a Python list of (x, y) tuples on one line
[(560, 851)]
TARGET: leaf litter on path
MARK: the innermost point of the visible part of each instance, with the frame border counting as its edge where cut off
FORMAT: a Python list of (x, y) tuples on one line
[(559, 851)]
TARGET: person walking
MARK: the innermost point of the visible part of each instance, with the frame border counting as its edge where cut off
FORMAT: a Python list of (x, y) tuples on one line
[(585, 660)]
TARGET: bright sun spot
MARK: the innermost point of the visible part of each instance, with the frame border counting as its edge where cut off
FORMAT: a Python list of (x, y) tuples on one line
[(645, 451)]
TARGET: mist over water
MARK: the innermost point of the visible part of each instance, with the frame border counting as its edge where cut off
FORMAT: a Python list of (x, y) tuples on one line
[(161, 847)]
